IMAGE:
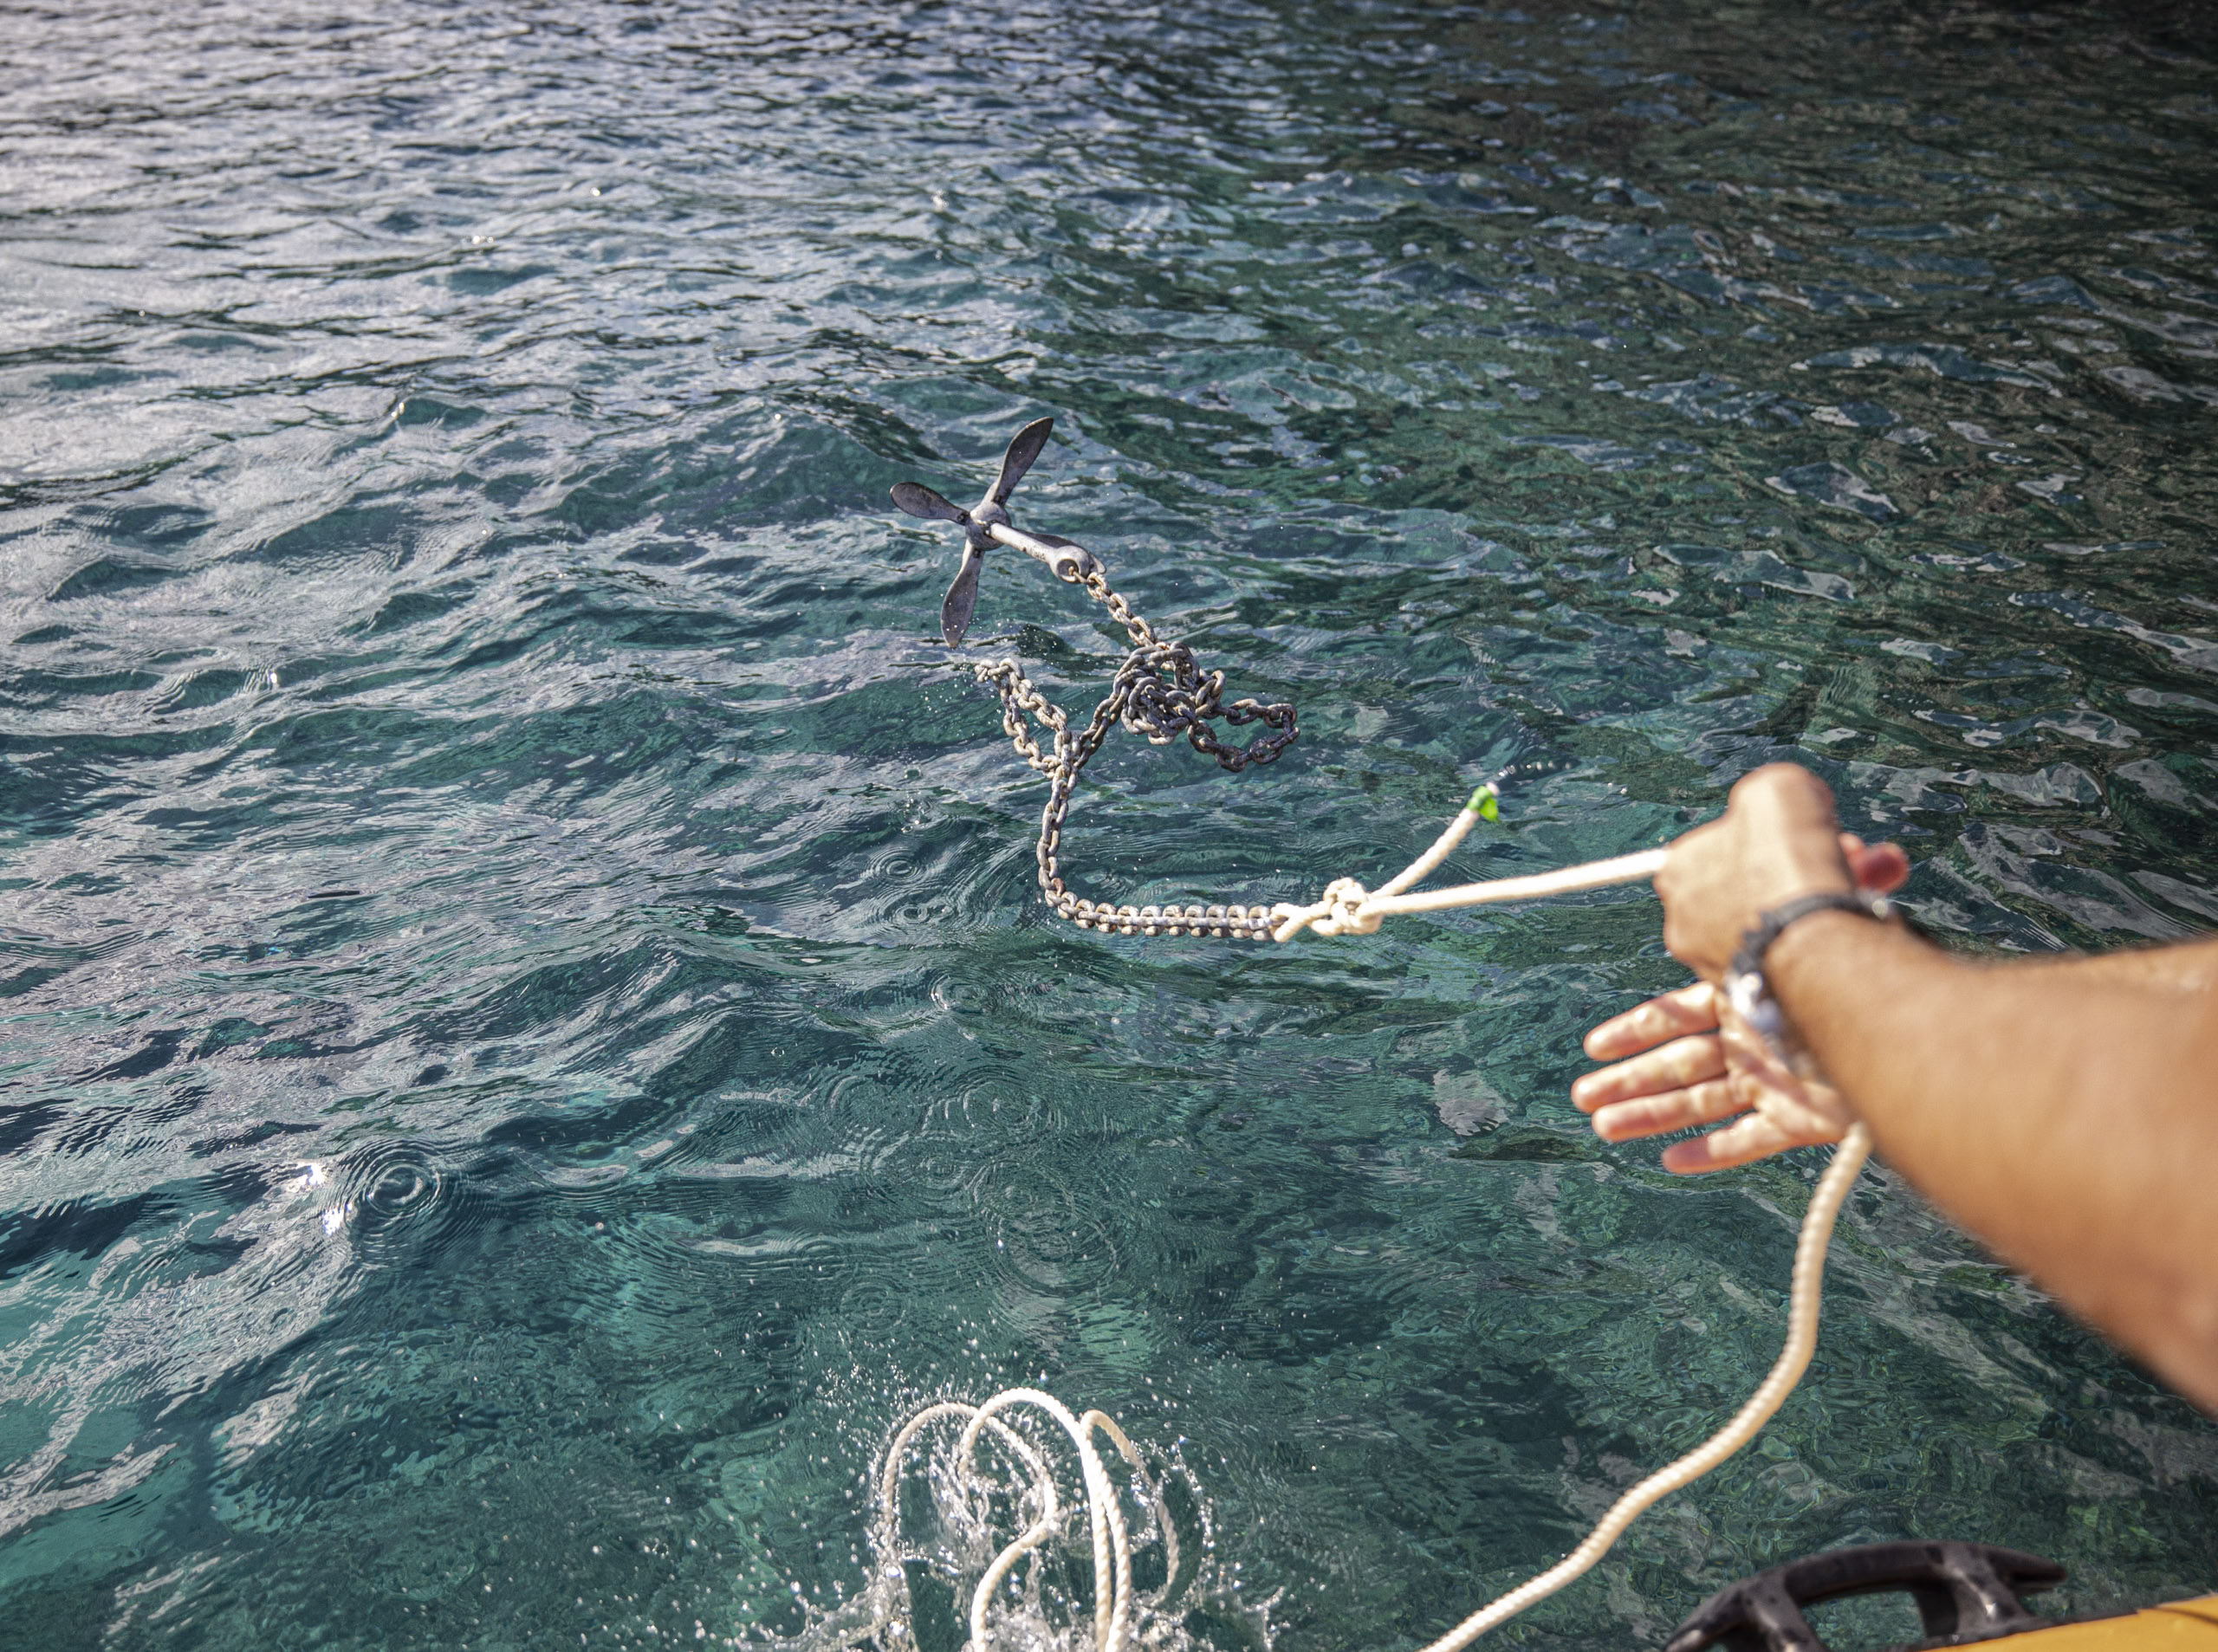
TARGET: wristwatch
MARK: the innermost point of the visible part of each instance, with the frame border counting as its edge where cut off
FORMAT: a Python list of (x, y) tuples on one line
[(1745, 986)]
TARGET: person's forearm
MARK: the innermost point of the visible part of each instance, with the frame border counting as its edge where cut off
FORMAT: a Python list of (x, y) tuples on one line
[(2067, 1115), (2189, 967)]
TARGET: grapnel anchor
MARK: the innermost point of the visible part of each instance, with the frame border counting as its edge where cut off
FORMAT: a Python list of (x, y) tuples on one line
[(1160, 692)]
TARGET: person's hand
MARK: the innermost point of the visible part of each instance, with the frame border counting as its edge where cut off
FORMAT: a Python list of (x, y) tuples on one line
[(1776, 841), (1693, 1061), (1686, 1059)]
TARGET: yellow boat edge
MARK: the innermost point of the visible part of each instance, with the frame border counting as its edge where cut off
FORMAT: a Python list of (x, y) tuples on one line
[(2176, 1626)]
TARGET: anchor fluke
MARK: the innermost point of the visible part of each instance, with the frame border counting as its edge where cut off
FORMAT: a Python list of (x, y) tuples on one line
[(1023, 447), (962, 598), (920, 500)]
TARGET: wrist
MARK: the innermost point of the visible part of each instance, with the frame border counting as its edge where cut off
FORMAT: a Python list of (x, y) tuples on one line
[(1808, 941), (1805, 874), (1830, 957), (1815, 871), (1808, 878), (1748, 982)]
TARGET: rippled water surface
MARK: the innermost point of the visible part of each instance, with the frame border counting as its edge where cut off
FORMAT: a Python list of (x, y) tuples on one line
[(528, 1038)]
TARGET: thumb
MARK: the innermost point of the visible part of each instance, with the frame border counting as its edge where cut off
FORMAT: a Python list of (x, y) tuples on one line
[(1879, 868)]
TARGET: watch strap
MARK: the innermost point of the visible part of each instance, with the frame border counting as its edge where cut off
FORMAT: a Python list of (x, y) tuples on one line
[(1749, 959)]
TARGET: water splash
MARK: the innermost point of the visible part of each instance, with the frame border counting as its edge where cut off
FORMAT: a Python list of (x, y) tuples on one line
[(976, 1498)]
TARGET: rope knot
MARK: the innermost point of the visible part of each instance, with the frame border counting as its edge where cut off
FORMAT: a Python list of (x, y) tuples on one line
[(1338, 910), (1343, 900)]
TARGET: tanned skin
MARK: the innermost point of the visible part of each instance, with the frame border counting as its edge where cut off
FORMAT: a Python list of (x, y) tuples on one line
[(2064, 1111)]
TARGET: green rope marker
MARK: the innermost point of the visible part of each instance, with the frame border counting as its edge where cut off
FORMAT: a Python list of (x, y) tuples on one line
[(1486, 803)]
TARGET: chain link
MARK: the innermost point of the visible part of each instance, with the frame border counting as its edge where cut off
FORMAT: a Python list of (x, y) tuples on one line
[(1160, 692)]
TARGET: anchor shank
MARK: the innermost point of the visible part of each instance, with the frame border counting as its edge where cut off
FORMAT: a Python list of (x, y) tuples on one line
[(1066, 560)]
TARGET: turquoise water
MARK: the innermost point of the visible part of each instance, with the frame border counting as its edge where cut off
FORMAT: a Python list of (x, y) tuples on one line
[(529, 1040)]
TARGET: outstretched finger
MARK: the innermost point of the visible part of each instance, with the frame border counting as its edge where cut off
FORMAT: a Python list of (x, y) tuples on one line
[(1690, 1009), (1701, 1104), (1678, 1064), (1759, 1135)]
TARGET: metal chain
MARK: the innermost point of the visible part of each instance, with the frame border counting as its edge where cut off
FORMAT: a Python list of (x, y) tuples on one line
[(1161, 691)]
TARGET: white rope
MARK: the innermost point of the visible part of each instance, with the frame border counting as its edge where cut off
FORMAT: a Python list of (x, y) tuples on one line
[(1347, 907), (1483, 806), (1112, 1571), (1111, 1539), (1808, 1287)]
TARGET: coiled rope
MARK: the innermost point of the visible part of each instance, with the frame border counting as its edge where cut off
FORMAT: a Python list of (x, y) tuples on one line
[(1115, 1607), (1113, 1598)]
